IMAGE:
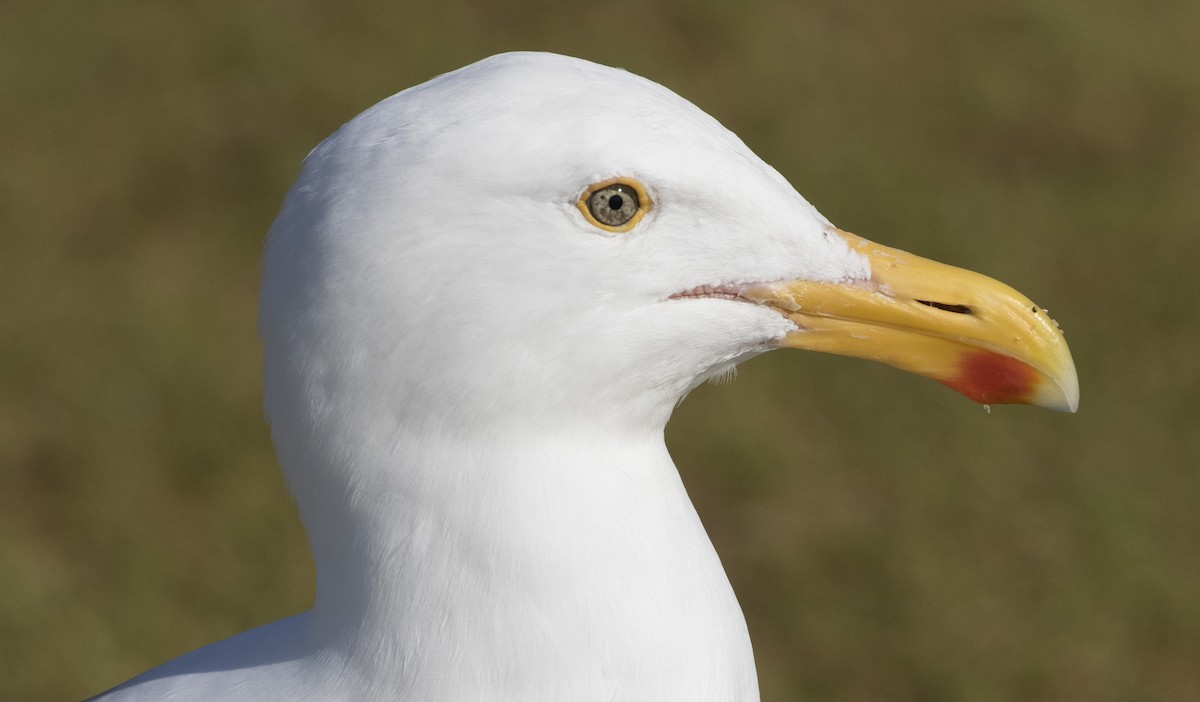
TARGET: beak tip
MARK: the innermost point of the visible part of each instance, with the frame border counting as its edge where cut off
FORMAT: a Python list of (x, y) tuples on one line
[(1067, 387), (990, 378)]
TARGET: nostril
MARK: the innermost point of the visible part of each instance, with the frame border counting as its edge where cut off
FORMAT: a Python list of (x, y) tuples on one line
[(956, 309)]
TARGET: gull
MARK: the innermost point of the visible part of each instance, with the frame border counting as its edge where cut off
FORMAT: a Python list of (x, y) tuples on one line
[(481, 301)]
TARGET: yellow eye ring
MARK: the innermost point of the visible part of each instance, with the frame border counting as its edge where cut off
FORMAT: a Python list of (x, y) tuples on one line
[(614, 205)]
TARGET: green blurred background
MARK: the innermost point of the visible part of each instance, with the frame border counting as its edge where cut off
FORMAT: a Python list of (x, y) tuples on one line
[(888, 539)]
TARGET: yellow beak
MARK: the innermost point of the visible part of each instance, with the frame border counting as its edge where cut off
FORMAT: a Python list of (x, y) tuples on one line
[(967, 331)]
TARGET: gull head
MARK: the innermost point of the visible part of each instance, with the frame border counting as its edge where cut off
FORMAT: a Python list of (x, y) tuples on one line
[(542, 240)]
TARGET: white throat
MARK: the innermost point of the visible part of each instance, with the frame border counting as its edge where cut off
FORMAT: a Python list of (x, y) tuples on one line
[(552, 566)]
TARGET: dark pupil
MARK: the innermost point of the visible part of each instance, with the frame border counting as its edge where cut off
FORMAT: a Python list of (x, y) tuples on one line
[(615, 202)]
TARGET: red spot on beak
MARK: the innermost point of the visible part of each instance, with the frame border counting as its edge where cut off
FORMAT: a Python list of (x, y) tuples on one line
[(991, 378)]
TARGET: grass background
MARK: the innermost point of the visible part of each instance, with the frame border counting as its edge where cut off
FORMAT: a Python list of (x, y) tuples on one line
[(888, 539)]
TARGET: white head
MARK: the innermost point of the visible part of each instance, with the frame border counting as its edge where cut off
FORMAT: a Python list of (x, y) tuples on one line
[(432, 250)]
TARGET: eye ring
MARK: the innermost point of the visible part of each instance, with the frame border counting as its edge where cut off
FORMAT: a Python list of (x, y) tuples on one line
[(615, 205)]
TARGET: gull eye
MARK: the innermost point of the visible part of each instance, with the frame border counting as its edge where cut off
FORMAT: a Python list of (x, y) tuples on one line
[(615, 205)]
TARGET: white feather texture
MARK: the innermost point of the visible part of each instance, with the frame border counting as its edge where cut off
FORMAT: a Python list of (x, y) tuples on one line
[(467, 385)]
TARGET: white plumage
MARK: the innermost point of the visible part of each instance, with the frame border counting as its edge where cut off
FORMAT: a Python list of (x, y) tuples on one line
[(467, 384)]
